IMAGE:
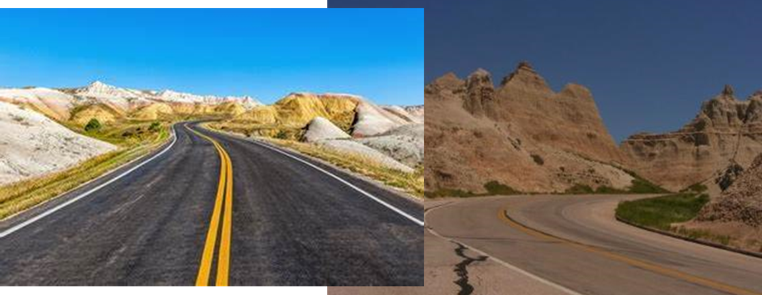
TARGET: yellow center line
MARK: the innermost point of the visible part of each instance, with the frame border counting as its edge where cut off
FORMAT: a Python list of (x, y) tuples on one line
[(503, 215), (223, 262), (224, 198)]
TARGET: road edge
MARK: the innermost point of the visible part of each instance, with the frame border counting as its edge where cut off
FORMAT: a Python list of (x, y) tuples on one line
[(491, 257), (689, 239), (367, 179), (7, 225)]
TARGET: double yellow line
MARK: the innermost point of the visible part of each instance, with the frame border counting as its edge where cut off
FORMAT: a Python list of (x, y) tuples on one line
[(224, 198), (503, 215)]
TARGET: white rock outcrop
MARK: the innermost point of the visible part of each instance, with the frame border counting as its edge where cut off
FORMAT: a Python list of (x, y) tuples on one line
[(32, 145), (321, 128)]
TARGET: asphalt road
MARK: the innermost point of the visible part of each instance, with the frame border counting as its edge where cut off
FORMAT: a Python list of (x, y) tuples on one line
[(575, 243), (290, 224)]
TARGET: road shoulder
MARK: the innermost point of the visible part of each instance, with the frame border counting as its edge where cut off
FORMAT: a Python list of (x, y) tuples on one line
[(33, 212), (344, 172)]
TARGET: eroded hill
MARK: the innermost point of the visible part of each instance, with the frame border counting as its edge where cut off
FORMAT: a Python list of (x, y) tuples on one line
[(722, 139), (521, 134)]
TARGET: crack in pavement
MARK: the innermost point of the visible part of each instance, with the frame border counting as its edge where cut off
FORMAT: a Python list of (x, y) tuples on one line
[(462, 272)]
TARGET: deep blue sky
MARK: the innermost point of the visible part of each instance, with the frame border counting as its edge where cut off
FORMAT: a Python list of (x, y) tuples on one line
[(263, 53), (649, 63)]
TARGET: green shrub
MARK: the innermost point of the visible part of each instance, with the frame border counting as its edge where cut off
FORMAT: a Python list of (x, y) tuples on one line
[(642, 186), (446, 192), (609, 190), (155, 126), (93, 125), (661, 212), (579, 189), (497, 188), (281, 135)]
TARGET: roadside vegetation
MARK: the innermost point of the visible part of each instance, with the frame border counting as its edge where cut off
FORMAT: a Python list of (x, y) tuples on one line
[(411, 183), (638, 186), (126, 133), (493, 188), (133, 139), (663, 212)]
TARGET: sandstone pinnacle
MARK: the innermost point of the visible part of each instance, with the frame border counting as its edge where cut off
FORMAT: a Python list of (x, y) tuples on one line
[(728, 90)]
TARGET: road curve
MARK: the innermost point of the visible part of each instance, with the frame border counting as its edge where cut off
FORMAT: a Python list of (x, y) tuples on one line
[(575, 242), (291, 225)]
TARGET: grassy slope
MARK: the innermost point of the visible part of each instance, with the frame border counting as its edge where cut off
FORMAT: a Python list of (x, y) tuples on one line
[(662, 212), (23, 195)]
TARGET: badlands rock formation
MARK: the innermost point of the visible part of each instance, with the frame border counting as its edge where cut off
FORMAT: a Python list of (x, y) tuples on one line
[(109, 103), (411, 114), (351, 113), (298, 109), (153, 111), (726, 133), (736, 213), (359, 149), (404, 144), (416, 111), (51, 102), (521, 134), (102, 112), (322, 132), (741, 202), (32, 144), (321, 129)]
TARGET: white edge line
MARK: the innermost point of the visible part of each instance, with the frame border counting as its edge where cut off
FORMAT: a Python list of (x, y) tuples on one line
[(499, 261), (387, 205), (85, 194)]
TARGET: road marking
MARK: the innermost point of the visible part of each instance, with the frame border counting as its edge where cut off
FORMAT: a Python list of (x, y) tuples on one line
[(223, 205), (202, 279), (87, 193), (503, 215), (498, 260), (385, 204), (223, 263)]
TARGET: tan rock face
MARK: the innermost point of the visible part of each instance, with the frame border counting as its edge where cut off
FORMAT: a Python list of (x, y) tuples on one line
[(741, 202), (103, 113), (521, 134), (726, 131), (260, 114), (298, 109), (153, 111)]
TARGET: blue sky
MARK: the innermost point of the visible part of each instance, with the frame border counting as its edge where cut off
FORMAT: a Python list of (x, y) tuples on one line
[(649, 63), (265, 53)]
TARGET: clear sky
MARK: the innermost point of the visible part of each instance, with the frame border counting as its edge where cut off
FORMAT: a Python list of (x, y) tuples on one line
[(377, 53), (648, 63)]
